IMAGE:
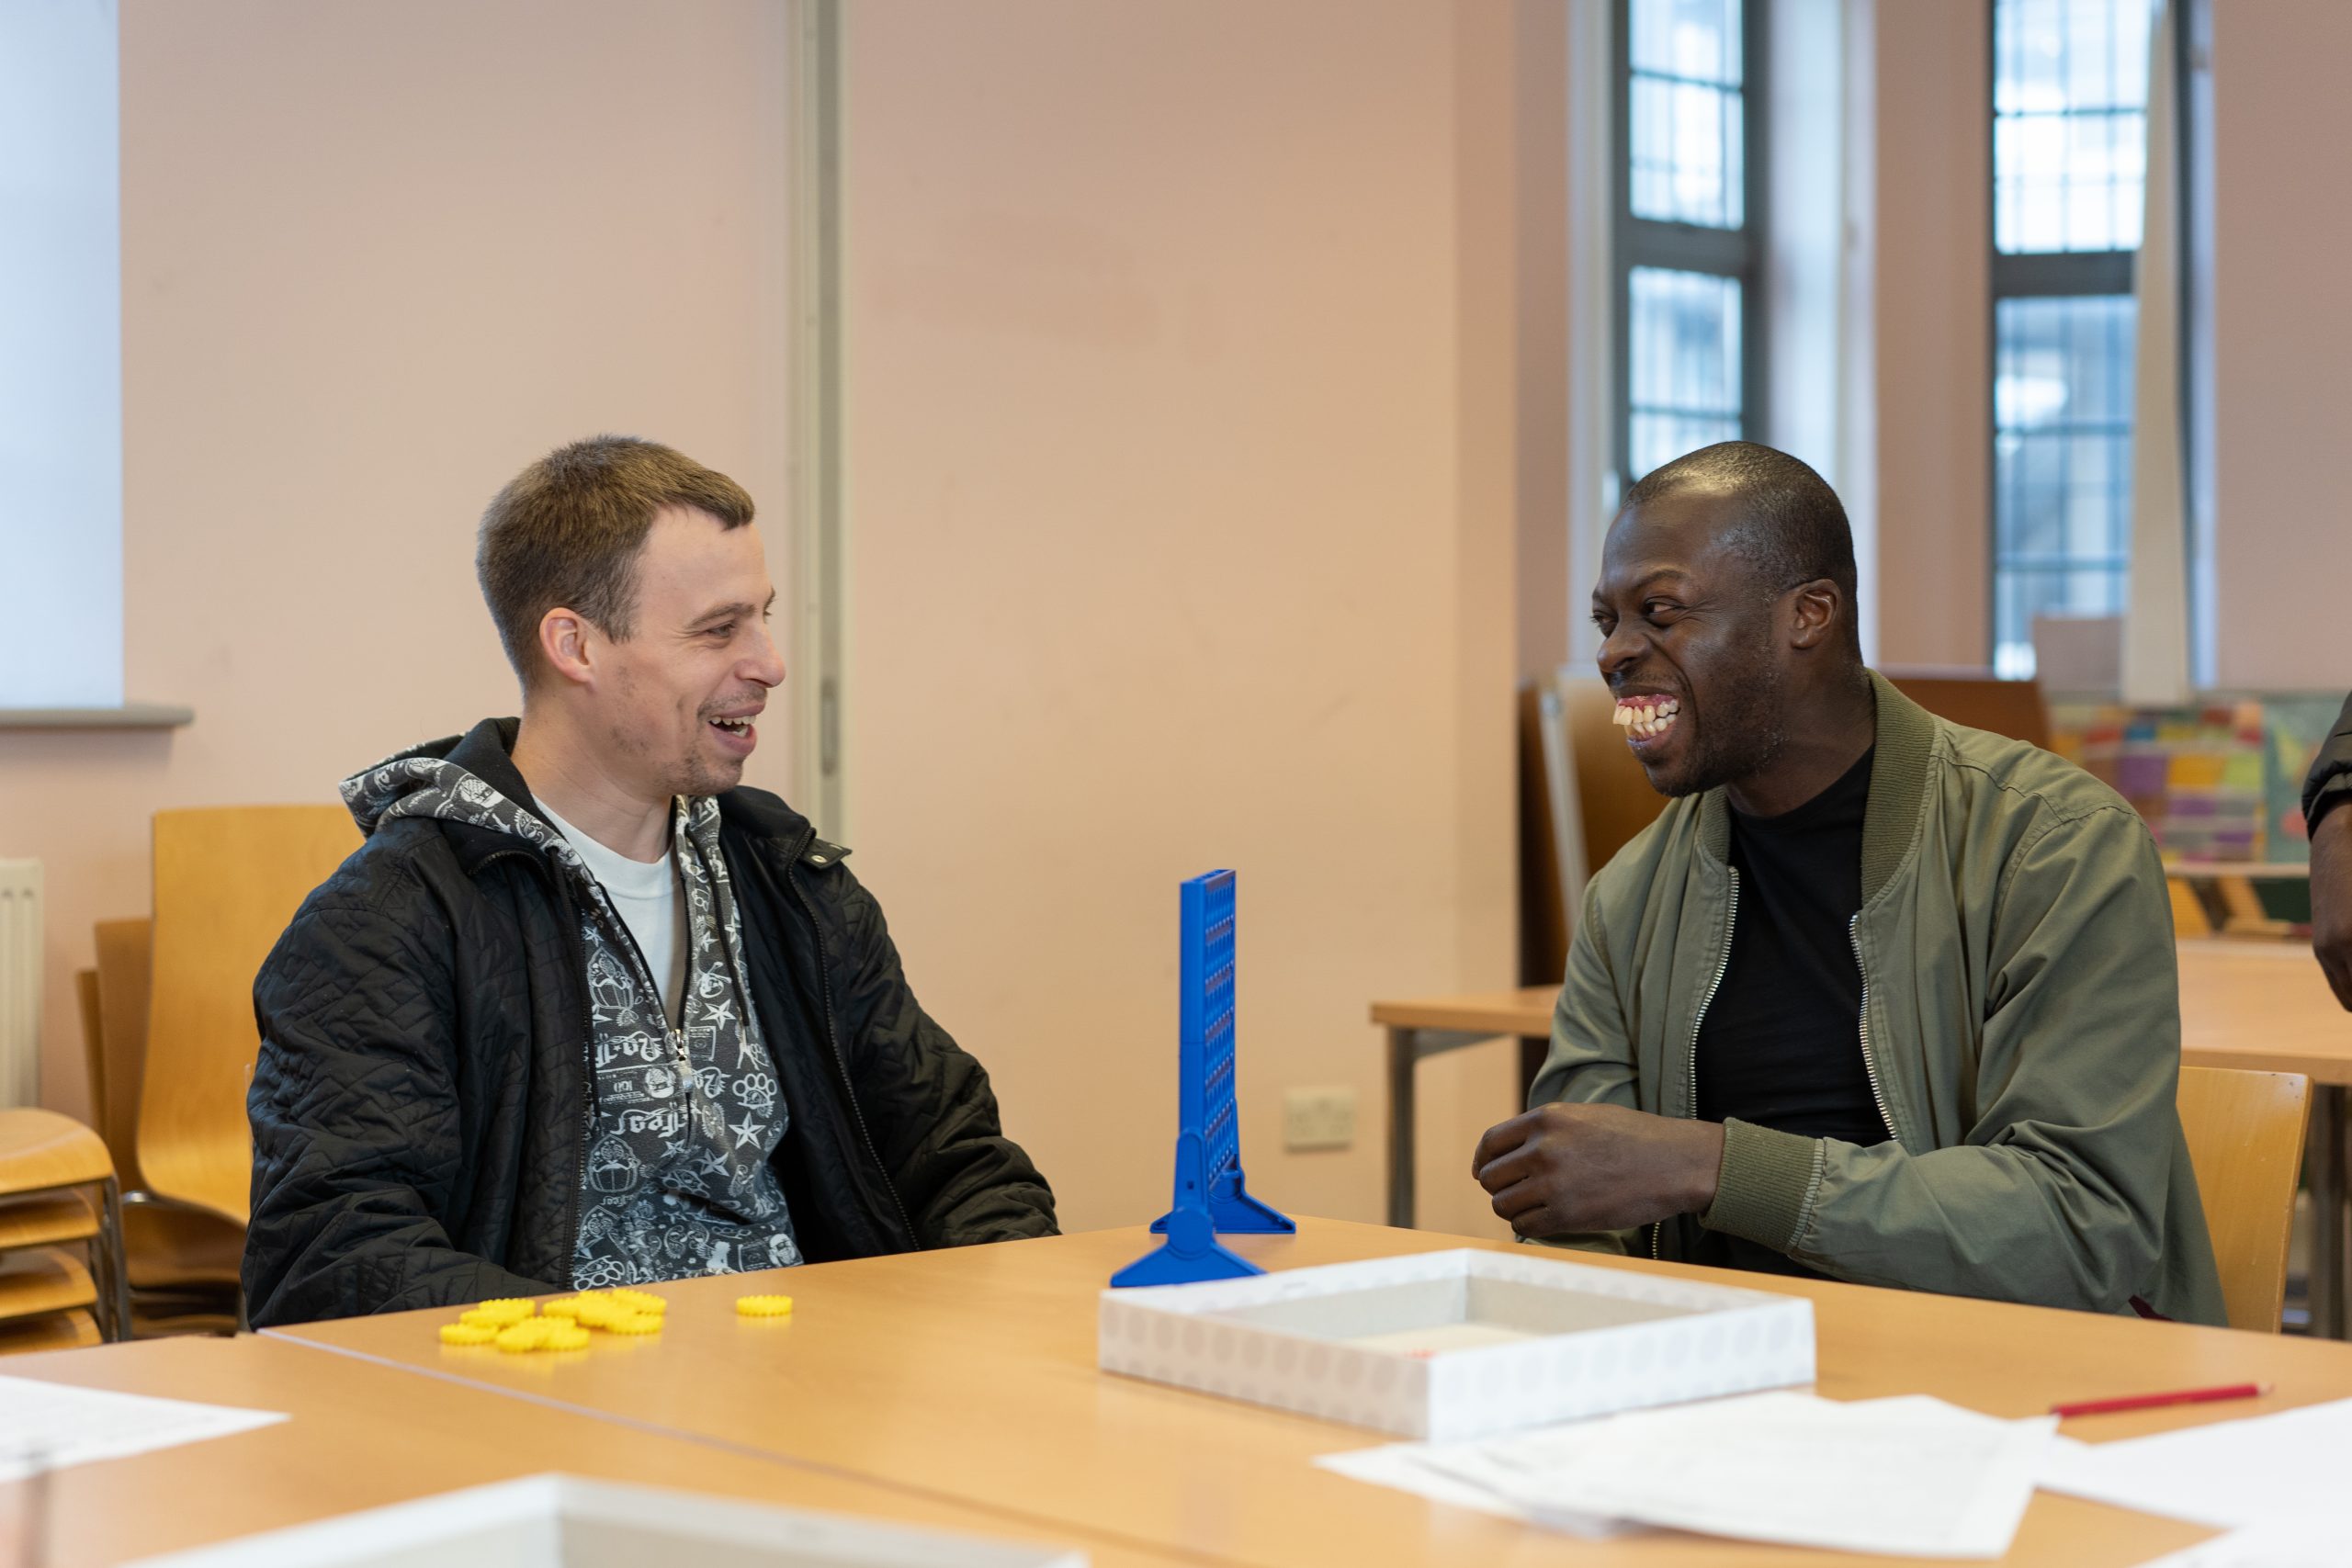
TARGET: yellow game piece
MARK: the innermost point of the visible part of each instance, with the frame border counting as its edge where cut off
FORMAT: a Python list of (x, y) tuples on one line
[(562, 1306), (466, 1334), (476, 1319), (508, 1309), (568, 1339), (522, 1336), (641, 1301), (594, 1313), (763, 1306), (636, 1322)]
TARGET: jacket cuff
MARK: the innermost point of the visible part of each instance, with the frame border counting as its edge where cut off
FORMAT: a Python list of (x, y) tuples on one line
[(1766, 1185), (2328, 794)]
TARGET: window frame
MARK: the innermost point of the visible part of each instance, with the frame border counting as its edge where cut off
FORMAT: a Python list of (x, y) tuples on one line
[(1736, 253), (2056, 275)]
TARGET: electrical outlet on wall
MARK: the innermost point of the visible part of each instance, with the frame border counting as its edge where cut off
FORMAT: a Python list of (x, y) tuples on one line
[(1318, 1119)]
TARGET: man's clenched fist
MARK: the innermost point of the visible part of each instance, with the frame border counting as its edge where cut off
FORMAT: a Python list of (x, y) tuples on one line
[(1597, 1168)]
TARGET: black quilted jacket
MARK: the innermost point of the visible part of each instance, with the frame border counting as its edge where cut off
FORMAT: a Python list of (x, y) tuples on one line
[(421, 1106)]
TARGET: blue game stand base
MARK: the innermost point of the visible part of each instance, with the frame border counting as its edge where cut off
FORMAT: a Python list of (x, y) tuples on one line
[(1235, 1212), (1191, 1252)]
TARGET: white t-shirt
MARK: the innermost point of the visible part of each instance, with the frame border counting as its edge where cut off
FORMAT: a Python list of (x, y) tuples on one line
[(652, 904)]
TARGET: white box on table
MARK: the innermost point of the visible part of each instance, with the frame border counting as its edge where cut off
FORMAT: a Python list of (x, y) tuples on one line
[(1446, 1347), (561, 1521)]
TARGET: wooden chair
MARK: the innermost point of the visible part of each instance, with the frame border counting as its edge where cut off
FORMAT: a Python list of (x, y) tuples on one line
[(181, 1262), (51, 1168), (2245, 1142), (228, 879), (93, 1051), (1978, 699), (1582, 797)]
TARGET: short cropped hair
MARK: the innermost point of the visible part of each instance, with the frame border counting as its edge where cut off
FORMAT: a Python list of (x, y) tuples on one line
[(1791, 527), (567, 531)]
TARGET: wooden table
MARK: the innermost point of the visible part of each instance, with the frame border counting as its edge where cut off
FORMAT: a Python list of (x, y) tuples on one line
[(2266, 1005), (1434, 1025), (969, 1375), (363, 1436), (2263, 1006)]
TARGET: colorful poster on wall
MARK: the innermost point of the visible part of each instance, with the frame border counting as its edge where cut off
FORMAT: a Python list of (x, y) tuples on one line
[(2195, 774), (2221, 780)]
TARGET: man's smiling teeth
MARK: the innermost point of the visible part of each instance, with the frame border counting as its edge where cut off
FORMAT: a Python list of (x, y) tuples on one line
[(1647, 716), (736, 726)]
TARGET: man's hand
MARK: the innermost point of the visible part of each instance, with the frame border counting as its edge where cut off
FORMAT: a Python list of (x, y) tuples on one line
[(2331, 897), (1597, 1168)]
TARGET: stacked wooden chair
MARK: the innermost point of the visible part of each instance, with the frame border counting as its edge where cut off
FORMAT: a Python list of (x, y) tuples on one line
[(61, 1282), (174, 1046)]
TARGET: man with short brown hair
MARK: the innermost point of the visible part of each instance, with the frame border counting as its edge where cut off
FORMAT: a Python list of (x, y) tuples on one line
[(582, 1011)]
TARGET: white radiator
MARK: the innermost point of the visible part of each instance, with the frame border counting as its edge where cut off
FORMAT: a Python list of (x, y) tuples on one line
[(20, 976)]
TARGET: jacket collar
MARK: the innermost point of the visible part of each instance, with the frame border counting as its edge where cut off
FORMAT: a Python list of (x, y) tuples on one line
[(487, 751), (1907, 739)]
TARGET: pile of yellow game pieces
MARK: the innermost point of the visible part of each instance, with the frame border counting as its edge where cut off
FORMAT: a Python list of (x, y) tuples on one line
[(518, 1325)]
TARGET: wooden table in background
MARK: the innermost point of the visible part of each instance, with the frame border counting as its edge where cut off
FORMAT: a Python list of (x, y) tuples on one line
[(969, 1376), (2266, 1007), (2263, 1006), (363, 1436), (1430, 1027)]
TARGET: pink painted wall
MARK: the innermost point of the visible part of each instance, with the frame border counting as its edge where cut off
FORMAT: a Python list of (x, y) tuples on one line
[(2283, 335), (374, 261), (1180, 466), (1181, 477), (1932, 325)]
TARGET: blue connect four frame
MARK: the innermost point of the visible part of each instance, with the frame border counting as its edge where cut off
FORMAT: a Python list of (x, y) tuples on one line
[(1210, 1193)]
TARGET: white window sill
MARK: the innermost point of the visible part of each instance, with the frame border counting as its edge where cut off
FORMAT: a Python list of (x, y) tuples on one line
[(131, 716)]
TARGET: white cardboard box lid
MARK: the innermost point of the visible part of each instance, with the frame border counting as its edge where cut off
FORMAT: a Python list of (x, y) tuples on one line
[(562, 1521), (1609, 1291)]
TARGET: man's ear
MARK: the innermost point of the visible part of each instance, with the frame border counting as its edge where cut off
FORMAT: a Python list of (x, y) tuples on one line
[(568, 643), (1813, 611)]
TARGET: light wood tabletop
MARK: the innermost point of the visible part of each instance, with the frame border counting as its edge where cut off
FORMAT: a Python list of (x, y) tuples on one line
[(971, 1374), (2260, 1005), (2263, 1006), (362, 1436), (1527, 1010)]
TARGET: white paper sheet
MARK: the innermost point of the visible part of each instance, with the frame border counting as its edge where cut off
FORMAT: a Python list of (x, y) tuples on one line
[(2305, 1540), (1908, 1476), (2224, 1474), (1405, 1466), (57, 1424)]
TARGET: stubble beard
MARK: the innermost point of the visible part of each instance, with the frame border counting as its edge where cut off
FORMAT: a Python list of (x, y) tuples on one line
[(1742, 733)]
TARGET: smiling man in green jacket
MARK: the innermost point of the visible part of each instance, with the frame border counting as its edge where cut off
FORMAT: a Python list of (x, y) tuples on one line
[(1878, 998)]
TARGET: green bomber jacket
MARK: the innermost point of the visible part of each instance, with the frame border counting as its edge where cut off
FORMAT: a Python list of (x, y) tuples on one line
[(2020, 1024)]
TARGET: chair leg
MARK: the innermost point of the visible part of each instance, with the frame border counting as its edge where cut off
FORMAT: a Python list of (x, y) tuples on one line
[(116, 1285)]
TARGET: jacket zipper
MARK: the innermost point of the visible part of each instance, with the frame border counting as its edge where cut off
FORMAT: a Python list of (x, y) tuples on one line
[(1869, 1065), (840, 1062), (1731, 922), (579, 950)]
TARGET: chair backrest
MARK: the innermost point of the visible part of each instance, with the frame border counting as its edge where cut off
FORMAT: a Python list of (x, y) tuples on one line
[(1613, 796), (228, 879), (126, 969), (1978, 699), (94, 1050), (2245, 1142)]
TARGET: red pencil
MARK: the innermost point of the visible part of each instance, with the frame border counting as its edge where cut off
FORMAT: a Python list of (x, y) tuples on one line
[(2156, 1401)]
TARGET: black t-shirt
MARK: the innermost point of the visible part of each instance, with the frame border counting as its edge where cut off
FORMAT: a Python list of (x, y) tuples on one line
[(1781, 1045)]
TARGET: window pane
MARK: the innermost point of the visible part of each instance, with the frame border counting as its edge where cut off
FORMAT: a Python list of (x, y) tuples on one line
[(1684, 129), (2061, 411), (2070, 93), (1683, 344)]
